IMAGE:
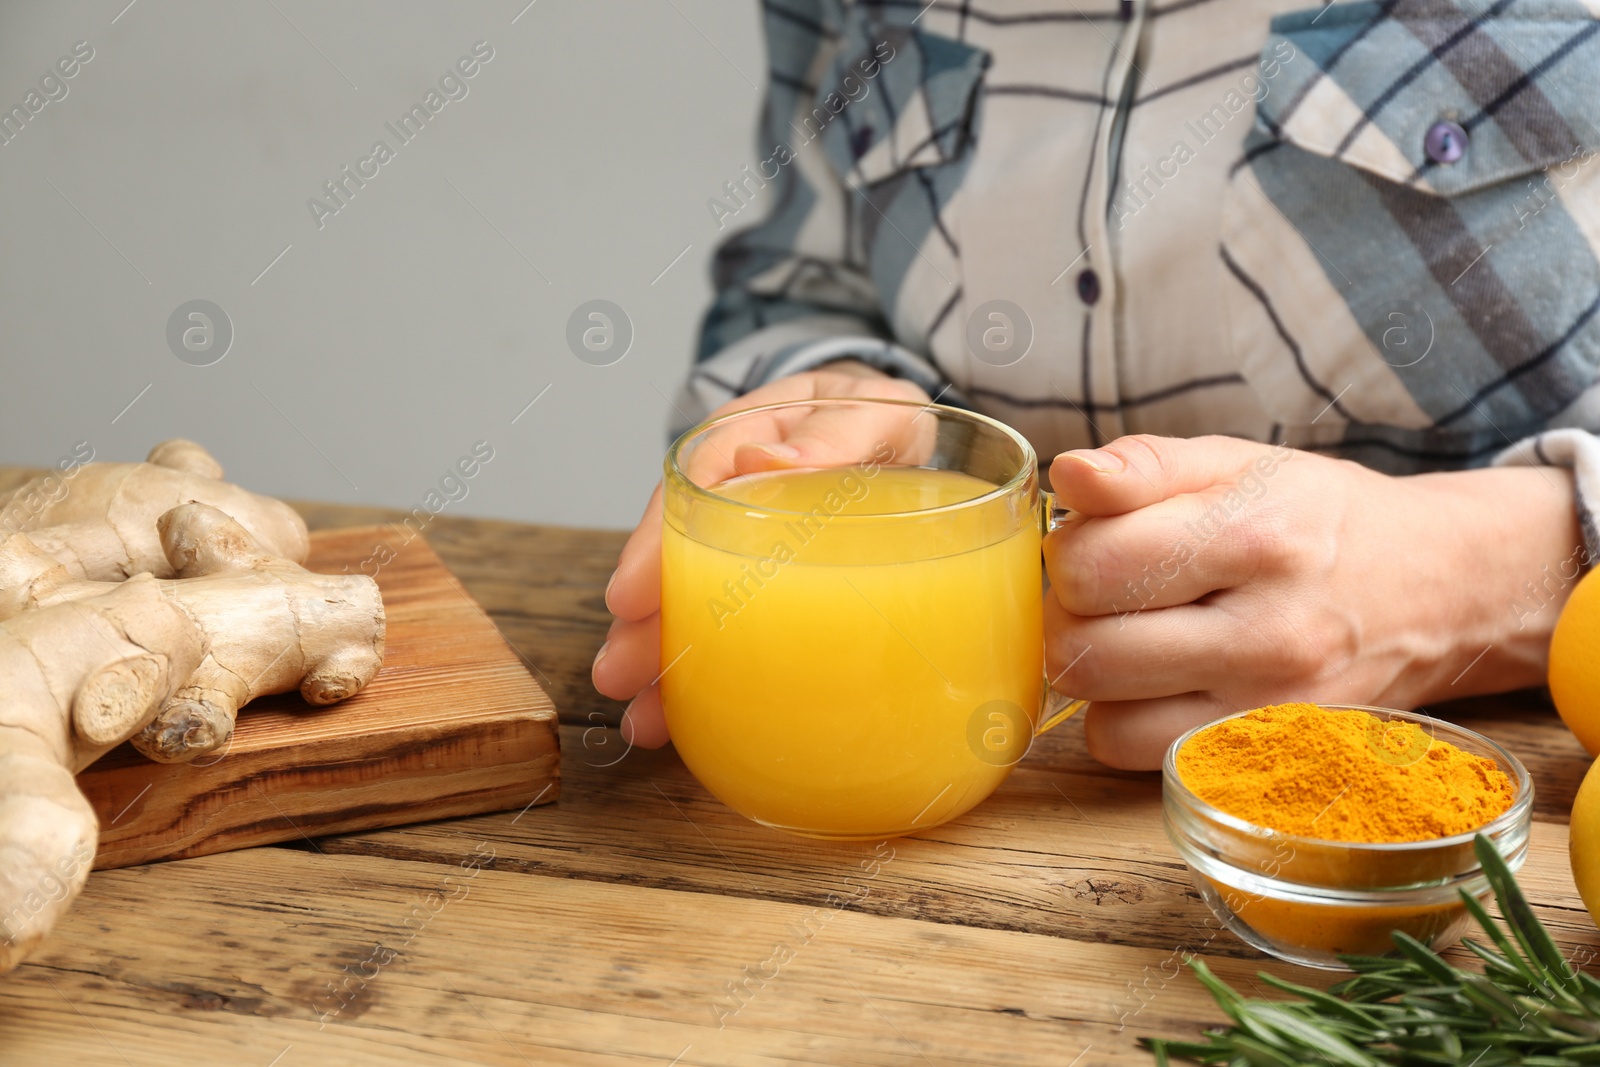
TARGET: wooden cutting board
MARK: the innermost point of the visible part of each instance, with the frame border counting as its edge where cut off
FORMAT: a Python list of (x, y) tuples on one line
[(454, 724)]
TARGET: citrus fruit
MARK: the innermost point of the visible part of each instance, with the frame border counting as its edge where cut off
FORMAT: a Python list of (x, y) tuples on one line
[(1584, 845), (1575, 663)]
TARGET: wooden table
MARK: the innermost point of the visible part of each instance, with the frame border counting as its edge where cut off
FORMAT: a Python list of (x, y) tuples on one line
[(638, 921)]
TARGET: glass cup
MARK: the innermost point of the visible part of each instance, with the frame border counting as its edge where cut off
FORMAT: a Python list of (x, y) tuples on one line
[(855, 651)]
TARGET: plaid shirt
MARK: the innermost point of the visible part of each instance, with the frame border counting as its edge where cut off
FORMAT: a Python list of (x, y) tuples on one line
[(1368, 229)]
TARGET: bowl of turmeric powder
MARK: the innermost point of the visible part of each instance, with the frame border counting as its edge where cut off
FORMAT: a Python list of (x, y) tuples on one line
[(1315, 831)]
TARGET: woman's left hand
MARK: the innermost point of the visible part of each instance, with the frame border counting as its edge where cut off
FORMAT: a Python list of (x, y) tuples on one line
[(1205, 576)]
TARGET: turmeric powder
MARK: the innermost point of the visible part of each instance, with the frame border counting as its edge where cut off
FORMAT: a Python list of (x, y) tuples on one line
[(1342, 775)]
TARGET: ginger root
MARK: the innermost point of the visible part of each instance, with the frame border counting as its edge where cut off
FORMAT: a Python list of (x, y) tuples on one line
[(271, 625), (86, 663), (100, 521), (79, 678)]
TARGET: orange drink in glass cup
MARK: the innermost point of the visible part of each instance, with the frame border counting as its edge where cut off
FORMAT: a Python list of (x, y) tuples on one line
[(855, 652)]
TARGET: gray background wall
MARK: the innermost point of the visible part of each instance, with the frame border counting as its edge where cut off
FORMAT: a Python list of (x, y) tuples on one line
[(429, 310)]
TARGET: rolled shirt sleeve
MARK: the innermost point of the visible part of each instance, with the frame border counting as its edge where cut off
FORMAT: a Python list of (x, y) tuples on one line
[(1578, 451), (791, 347)]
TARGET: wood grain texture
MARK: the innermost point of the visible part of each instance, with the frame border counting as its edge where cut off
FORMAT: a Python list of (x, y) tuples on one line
[(544, 587), (452, 725), (1044, 927), (516, 970)]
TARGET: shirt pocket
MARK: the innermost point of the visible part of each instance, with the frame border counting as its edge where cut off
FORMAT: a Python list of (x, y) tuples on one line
[(1409, 238), (896, 113), (895, 98)]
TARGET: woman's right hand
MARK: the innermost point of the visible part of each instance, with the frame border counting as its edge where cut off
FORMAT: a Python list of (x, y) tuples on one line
[(629, 663)]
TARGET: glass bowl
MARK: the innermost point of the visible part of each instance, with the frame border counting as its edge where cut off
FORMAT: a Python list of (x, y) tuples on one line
[(1309, 900)]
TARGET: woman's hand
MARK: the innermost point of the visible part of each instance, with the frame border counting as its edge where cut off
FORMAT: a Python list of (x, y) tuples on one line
[(1206, 576), (629, 663)]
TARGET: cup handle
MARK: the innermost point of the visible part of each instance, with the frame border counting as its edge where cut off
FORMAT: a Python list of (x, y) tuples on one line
[(1058, 708), (1051, 514)]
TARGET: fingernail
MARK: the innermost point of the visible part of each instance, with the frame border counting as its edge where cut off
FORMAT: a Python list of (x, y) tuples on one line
[(598, 656), (1101, 462), (625, 726), (779, 451), (606, 596)]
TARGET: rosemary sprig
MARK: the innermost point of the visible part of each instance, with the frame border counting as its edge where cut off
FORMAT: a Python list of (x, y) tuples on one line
[(1528, 1007)]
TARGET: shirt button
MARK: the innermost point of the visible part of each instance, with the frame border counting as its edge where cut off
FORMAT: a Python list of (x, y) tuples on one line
[(860, 141), (1088, 287), (1446, 142)]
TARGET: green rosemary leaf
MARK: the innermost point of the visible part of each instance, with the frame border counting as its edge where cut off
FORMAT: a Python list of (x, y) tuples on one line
[(1250, 1024), (1577, 1029), (1260, 1054), (1448, 1042), (1376, 978), (1589, 993), (1309, 1035), (1509, 957), (1226, 998), (1430, 961), (1189, 1050), (1329, 1004), (1525, 925), (1495, 1002), (1494, 961), (1443, 1059), (1527, 1008), (1586, 991), (1372, 964)]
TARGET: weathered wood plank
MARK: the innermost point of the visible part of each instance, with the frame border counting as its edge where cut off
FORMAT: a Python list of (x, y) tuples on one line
[(237, 957), (1081, 856)]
